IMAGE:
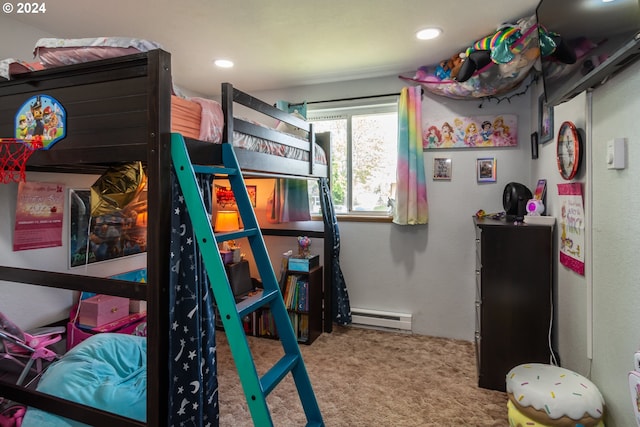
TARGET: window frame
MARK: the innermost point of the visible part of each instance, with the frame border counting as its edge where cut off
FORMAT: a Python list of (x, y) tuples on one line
[(346, 110)]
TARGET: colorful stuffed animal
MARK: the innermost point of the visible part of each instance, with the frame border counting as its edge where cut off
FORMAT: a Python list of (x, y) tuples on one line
[(505, 46), (500, 47), (449, 68)]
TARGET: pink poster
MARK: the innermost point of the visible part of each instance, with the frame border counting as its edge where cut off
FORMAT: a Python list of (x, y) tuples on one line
[(571, 226), (39, 214)]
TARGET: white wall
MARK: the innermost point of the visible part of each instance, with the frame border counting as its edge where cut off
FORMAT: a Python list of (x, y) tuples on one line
[(571, 289), (609, 288), (427, 270), (18, 39), (615, 243)]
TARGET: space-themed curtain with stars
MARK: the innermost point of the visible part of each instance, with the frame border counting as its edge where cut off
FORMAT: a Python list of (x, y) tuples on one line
[(193, 397), (340, 305)]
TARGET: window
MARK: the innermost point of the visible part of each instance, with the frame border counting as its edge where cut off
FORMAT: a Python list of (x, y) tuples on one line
[(363, 154)]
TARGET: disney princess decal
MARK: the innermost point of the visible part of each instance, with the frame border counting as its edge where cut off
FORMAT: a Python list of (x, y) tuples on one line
[(471, 132), (472, 136), (502, 133), (447, 135), (432, 137), (486, 131)]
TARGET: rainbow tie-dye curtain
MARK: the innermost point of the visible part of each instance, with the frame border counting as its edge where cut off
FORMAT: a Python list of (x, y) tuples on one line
[(411, 206)]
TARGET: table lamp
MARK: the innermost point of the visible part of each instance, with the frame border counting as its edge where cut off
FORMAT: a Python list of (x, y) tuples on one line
[(226, 221)]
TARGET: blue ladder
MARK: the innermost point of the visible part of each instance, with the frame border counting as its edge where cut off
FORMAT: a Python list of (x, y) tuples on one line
[(255, 388)]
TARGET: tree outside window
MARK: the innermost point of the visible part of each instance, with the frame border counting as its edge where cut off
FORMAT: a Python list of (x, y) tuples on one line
[(363, 157)]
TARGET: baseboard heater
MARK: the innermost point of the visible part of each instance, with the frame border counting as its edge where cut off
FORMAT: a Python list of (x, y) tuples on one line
[(381, 319)]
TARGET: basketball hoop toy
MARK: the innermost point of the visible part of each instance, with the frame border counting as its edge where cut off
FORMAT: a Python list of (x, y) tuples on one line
[(39, 123), (14, 154)]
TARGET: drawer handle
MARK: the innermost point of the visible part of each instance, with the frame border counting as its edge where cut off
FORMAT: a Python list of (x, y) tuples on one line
[(114, 309)]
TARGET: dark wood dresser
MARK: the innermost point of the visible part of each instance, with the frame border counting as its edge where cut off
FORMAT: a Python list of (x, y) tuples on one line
[(514, 283)]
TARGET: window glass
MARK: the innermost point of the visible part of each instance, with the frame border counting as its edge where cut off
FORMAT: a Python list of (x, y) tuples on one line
[(363, 156)]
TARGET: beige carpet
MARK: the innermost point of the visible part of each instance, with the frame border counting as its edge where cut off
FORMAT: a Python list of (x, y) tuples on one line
[(369, 378)]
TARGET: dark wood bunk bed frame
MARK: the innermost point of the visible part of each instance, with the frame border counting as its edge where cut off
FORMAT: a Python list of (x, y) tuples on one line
[(118, 110)]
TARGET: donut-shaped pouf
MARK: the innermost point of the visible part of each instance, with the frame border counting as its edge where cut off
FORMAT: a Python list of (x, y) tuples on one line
[(546, 395)]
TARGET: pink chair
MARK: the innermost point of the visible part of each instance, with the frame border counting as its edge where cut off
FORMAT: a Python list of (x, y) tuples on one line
[(11, 414), (27, 347)]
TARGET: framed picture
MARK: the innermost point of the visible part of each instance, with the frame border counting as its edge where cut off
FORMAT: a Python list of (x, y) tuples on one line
[(227, 200), (541, 190), (253, 193), (105, 237), (441, 168), (545, 121), (486, 169), (534, 145)]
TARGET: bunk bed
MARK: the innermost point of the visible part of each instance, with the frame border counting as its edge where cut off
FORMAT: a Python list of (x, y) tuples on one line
[(118, 110)]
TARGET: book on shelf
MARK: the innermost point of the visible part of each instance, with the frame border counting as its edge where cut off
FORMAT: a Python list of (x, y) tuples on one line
[(303, 327), (291, 291), (303, 295), (284, 266), (296, 294)]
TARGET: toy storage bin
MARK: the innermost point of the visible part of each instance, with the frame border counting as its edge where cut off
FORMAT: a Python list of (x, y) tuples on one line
[(102, 309), (134, 324)]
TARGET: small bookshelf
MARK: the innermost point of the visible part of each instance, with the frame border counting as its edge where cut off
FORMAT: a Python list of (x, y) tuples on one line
[(302, 294)]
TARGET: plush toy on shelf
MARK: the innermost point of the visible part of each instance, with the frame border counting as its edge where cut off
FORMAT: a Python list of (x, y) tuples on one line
[(304, 246)]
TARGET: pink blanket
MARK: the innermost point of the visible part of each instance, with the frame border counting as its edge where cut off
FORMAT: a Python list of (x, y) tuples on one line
[(212, 120)]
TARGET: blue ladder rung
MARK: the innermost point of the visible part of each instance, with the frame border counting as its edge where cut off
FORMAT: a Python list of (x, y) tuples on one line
[(315, 424), (277, 372), (213, 170), (233, 235), (251, 304)]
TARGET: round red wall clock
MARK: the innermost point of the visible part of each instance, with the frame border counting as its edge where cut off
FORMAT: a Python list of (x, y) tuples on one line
[(568, 150)]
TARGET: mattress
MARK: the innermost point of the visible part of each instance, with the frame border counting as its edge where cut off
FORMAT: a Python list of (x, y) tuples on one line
[(202, 119)]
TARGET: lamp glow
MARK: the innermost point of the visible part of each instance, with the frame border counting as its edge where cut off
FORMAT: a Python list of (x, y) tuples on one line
[(226, 221)]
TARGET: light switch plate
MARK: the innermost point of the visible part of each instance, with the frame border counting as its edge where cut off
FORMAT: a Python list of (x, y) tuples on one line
[(616, 153)]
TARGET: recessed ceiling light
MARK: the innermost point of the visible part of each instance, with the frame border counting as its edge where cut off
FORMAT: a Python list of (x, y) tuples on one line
[(223, 63), (428, 33)]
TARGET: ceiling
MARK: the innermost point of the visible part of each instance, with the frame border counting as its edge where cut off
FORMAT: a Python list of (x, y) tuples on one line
[(283, 43)]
